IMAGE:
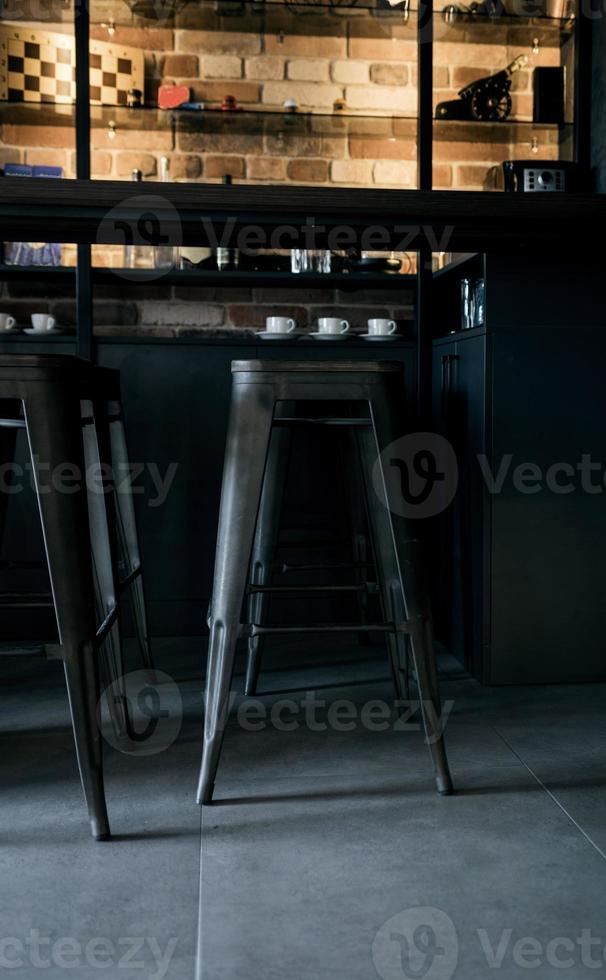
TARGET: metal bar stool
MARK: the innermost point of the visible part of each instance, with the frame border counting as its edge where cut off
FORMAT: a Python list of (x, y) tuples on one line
[(363, 564), (65, 407), (111, 434), (258, 389)]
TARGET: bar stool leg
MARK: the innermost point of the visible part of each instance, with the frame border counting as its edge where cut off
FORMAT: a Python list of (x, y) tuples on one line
[(386, 566), (385, 411), (8, 440), (248, 441), (128, 539), (53, 429), (100, 515), (264, 546), (358, 524)]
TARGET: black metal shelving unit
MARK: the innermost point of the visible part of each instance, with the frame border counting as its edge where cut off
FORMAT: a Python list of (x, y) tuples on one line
[(102, 276), (274, 16)]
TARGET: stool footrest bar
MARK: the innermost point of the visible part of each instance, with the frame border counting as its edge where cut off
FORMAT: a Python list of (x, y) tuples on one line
[(290, 589), (253, 629), (128, 579), (285, 567), (292, 422), (27, 600), (7, 649)]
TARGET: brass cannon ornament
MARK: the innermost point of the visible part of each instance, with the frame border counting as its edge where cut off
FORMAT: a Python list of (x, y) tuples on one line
[(487, 100)]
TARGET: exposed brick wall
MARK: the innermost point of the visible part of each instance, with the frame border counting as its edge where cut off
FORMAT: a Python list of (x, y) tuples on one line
[(167, 311), (377, 76)]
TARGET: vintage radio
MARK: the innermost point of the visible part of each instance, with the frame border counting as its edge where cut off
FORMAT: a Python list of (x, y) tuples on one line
[(536, 176)]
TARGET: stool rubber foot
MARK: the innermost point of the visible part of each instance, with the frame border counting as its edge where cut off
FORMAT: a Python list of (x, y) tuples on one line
[(100, 830), (444, 786), (206, 796)]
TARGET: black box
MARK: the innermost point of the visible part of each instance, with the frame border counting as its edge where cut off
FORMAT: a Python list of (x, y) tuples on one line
[(548, 95)]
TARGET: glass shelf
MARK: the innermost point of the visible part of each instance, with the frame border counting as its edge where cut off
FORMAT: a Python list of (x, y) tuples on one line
[(510, 131), (252, 16), (282, 125), (503, 29), (37, 114), (212, 277), (296, 124), (44, 13), (253, 123)]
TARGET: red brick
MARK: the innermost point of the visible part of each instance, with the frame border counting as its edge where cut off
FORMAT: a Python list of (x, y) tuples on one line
[(442, 175), (187, 167), (101, 163), (127, 162), (180, 65), (289, 295), (462, 76), (488, 57), (216, 166), (522, 106), (265, 168), (130, 139), (308, 171), (244, 92), (38, 136), (304, 146), (382, 49), (471, 176), (52, 158), (381, 149), (444, 151), (389, 74), (9, 154), (305, 45), (264, 68), (219, 42), (225, 143)]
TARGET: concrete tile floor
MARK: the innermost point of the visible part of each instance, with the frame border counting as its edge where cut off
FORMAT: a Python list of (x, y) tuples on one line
[(327, 854)]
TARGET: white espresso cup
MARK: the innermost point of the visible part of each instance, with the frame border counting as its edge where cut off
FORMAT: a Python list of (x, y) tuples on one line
[(280, 324), (7, 322), (332, 325), (381, 327), (42, 322)]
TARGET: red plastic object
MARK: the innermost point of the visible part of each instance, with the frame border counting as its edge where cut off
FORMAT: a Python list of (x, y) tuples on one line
[(172, 96)]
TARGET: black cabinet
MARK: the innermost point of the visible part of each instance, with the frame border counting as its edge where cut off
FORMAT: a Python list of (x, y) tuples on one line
[(520, 586), (459, 413)]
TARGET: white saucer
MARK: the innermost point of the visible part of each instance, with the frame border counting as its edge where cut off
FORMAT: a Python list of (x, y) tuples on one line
[(329, 336), (40, 333), (274, 335), (9, 330), (379, 336)]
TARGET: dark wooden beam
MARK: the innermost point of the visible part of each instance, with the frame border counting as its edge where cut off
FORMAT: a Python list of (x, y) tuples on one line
[(85, 211)]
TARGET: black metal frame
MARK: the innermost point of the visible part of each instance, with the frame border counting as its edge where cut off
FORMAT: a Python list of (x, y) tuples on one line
[(84, 289), (84, 284)]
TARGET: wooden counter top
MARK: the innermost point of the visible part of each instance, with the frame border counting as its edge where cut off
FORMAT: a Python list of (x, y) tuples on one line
[(98, 211)]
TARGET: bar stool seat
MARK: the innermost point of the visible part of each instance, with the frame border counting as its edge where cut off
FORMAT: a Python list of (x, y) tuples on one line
[(260, 389), (71, 413)]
